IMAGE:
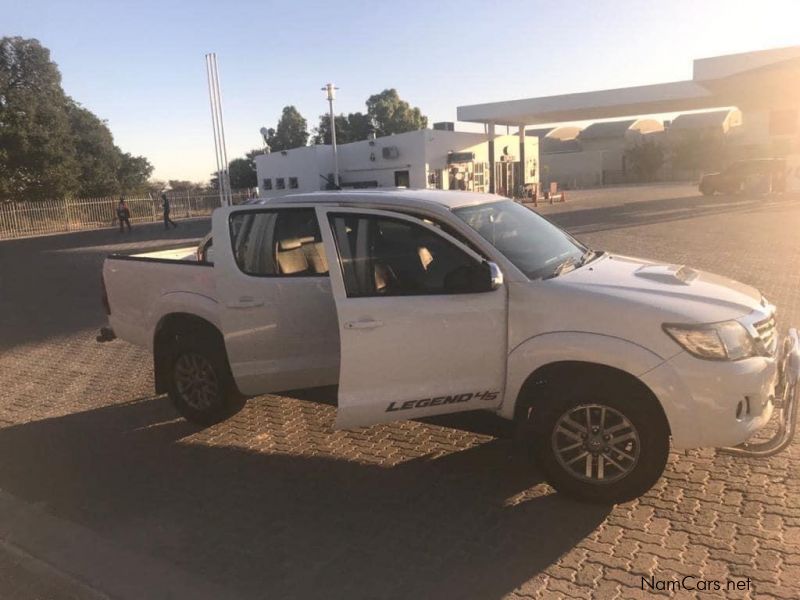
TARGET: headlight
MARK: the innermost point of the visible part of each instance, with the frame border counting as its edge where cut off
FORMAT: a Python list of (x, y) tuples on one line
[(728, 340)]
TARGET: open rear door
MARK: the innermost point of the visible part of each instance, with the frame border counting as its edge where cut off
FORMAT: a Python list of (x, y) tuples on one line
[(416, 338)]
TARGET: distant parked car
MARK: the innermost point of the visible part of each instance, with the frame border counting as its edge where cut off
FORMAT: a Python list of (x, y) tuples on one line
[(758, 174)]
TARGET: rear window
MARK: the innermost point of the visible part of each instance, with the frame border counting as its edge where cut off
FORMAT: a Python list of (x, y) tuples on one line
[(278, 243)]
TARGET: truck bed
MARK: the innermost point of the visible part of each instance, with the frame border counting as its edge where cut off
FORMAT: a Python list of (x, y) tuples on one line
[(139, 286), (186, 253)]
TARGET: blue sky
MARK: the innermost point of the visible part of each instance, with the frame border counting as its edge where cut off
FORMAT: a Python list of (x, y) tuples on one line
[(140, 65)]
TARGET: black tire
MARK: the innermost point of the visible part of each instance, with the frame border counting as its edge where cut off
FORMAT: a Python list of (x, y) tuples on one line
[(649, 445), (706, 190), (213, 396)]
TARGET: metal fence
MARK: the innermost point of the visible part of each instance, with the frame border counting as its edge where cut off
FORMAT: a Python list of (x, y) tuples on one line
[(26, 219)]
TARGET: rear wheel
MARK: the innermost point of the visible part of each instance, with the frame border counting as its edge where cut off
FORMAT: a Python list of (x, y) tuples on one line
[(603, 444), (200, 384)]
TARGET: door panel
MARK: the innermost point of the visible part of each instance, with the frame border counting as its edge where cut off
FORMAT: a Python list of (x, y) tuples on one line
[(277, 311), (410, 347)]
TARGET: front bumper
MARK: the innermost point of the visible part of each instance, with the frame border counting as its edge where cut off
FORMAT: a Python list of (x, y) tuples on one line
[(721, 404), (786, 400)]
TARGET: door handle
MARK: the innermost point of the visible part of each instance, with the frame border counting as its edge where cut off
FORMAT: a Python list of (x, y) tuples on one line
[(366, 324), (246, 302)]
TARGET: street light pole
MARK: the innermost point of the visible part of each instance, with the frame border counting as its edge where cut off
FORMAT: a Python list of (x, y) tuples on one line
[(331, 91)]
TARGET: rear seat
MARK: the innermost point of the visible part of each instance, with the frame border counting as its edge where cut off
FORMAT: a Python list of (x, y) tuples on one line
[(291, 258), (300, 255), (315, 254)]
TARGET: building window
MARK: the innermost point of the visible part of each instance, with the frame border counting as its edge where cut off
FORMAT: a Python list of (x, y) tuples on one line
[(267, 181), (293, 183), (435, 179), (402, 179), (280, 183)]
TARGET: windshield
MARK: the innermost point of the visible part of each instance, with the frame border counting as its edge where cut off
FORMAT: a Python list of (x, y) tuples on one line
[(533, 244)]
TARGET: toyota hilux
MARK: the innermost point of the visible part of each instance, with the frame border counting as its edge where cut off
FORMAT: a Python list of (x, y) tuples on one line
[(424, 302)]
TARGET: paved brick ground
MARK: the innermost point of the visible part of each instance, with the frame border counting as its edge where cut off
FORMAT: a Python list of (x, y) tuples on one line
[(273, 503)]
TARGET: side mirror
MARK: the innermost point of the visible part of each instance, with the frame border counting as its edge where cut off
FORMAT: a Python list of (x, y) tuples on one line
[(495, 275), (483, 277)]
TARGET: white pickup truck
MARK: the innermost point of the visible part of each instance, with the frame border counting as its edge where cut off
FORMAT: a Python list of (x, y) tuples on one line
[(422, 302)]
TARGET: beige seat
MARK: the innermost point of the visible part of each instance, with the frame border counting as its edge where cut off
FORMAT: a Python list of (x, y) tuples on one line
[(315, 255), (385, 278), (425, 257), (291, 257)]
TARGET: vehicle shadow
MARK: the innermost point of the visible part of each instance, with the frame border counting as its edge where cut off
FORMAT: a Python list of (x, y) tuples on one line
[(306, 524)]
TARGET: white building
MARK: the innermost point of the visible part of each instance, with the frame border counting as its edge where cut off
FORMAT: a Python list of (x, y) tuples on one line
[(428, 158)]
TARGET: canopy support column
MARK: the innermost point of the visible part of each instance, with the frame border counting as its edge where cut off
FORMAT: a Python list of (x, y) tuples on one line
[(491, 159), (522, 165)]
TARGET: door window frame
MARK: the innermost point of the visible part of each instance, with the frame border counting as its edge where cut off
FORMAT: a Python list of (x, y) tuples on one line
[(326, 214)]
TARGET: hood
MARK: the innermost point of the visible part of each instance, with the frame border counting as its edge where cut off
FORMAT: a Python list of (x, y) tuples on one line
[(689, 294)]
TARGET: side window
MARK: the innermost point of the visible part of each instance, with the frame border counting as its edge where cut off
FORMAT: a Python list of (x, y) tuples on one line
[(382, 256), (280, 183), (298, 244), (267, 184), (282, 243), (293, 184)]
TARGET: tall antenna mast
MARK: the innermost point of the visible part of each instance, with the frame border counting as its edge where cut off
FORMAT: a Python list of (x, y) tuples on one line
[(220, 149)]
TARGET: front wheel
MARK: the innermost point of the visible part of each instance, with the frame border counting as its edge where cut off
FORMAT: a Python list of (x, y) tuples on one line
[(200, 385), (600, 446)]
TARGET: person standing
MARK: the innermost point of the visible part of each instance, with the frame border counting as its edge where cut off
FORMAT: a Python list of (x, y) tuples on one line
[(123, 215), (166, 207)]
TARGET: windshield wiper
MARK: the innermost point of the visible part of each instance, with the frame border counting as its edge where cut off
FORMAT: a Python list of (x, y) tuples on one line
[(570, 264), (588, 256)]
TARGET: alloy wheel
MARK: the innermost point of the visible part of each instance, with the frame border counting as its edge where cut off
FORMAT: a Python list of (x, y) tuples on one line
[(596, 443), (196, 381)]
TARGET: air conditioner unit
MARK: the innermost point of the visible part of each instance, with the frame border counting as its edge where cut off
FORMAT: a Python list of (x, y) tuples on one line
[(390, 152)]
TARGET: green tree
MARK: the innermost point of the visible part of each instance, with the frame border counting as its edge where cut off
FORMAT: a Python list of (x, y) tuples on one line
[(184, 186), (242, 173), (391, 114), (350, 128), (37, 154), (291, 132), (645, 159), (50, 146), (133, 172), (97, 156)]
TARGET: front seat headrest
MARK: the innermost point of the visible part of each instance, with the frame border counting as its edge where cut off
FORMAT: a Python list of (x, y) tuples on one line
[(290, 244)]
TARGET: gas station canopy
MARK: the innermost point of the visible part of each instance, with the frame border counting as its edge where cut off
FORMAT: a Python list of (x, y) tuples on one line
[(761, 79)]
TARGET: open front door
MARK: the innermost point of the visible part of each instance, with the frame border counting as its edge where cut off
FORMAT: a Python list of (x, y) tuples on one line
[(417, 338)]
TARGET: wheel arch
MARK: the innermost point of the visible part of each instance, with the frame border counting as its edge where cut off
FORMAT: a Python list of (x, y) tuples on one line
[(576, 352), (168, 329), (565, 371)]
